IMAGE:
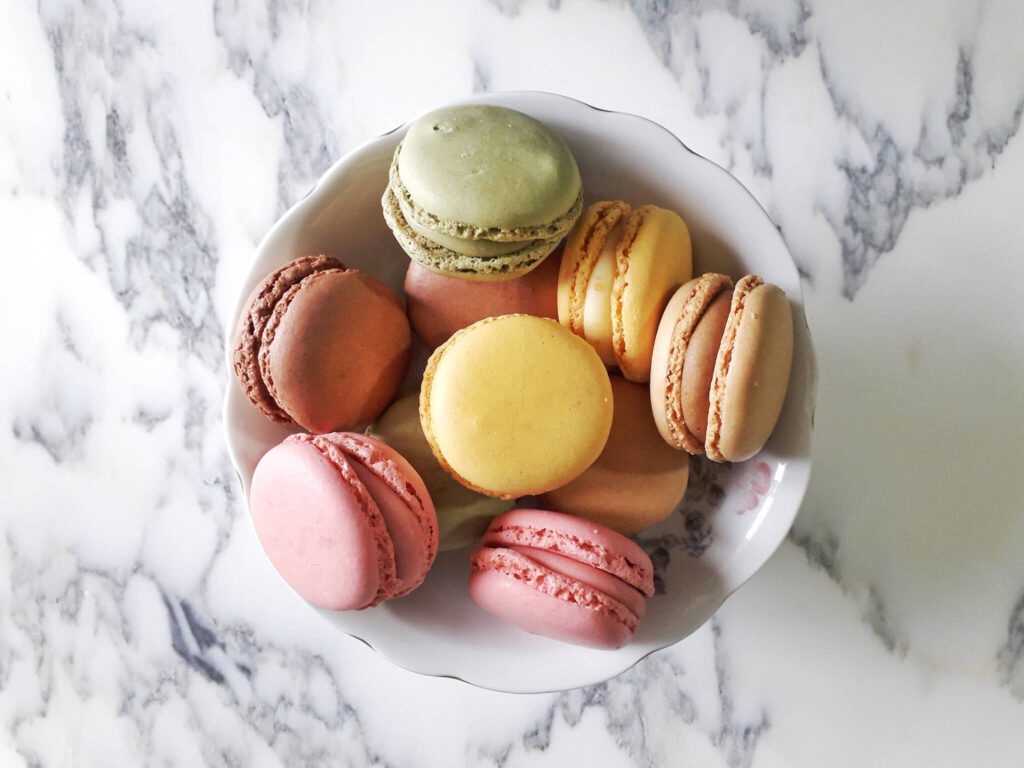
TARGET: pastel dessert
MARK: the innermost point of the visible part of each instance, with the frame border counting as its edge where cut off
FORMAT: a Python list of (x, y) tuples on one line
[(344, 519), (562, 577), (438, 305), (481, 192), (515, 405), (720, 366), (618, 270), (321, 346), (462, 514), (637, 480)]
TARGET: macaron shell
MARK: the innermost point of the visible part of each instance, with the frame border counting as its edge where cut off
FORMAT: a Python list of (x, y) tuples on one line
[(637, 480), (320, 528), (515, 405), (335, 350), (654, 259), (751, 371), (259, 308), (470, 170), (592, 543), (462, 514), (513, 589), (440, 305), (678, 321)]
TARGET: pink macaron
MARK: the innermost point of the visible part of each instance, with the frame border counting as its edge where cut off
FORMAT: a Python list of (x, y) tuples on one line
[(562, 577), (344, 519)]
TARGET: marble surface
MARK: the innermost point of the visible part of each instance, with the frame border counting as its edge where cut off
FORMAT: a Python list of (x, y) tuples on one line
[(146, 148)]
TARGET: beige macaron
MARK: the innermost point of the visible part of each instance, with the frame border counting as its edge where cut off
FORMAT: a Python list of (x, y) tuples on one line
[(720, 366)]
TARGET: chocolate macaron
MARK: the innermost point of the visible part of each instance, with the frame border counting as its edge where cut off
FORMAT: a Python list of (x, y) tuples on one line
[(321, 346)]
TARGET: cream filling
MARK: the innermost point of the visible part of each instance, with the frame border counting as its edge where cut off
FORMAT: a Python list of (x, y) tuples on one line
[(597, 303), (461, 245)]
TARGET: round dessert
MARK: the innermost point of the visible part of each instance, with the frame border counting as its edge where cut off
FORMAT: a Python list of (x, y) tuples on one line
[(462, 514), (438, 306), (515, 405), (561, 577), (344, 519), (321, 346), (637, 480), (481, 192), (618, 270), (720, 366)]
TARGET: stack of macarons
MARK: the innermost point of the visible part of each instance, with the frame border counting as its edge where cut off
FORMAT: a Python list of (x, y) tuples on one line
[(576, 365)]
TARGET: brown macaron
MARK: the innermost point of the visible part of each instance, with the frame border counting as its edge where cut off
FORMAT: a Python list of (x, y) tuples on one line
[(321, 346), (720, 366)]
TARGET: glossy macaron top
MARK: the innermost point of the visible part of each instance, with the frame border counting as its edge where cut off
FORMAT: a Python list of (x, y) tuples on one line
[(322, 346), (438, 305), (344, 519), (720, 367), (637, 480), (479, 170), (515, 405), (619, 267)]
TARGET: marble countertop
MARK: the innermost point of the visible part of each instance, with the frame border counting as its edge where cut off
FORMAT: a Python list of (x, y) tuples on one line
[(146, 148)]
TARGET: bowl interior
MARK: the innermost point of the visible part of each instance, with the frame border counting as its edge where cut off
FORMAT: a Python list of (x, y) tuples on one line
[(733, 516)]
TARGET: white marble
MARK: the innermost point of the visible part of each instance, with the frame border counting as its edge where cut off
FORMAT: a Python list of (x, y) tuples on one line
[(144, 150)]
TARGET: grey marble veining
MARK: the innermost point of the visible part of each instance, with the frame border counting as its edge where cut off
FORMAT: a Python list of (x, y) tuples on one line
[(145, 150)]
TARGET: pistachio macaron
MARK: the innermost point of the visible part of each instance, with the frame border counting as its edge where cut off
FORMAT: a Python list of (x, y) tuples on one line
[(720, 366), (515, 405), (481, 192), (619, 268)]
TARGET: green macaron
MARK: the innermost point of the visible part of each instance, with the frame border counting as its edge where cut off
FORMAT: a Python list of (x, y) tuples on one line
[(481, 192)]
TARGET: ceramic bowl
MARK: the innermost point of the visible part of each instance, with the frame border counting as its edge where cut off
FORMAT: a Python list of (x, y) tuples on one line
[(733, 516)]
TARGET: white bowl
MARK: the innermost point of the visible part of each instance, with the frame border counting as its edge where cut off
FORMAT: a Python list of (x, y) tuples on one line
[(733, 516)]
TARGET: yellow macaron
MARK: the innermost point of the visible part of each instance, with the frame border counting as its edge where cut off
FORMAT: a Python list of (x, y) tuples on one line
[(619, 268), (515, 405)]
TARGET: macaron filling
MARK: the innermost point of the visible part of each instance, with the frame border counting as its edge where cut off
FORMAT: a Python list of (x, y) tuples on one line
[(699, 365), (597, 303), (464, 245)]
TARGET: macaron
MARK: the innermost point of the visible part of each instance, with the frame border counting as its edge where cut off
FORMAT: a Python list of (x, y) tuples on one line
[(321, 346), (344, 519), (562, 577), (482, 192), (439, 305), (618, 270), (638, 479), (720, 366), (515, 405), (462, 514)]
